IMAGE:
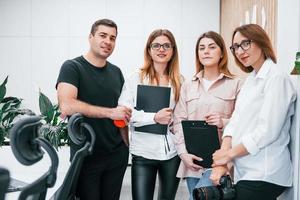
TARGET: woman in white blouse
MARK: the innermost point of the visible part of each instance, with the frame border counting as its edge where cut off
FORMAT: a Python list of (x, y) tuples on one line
[(154, 154), (257, 136)]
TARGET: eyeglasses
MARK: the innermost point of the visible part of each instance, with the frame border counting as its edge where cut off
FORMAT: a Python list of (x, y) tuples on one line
[(165, 46), (245, 45)]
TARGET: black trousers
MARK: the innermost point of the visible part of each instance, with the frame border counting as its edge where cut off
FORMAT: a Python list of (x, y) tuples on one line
[(102, 179), (257, 190), (143, 177)]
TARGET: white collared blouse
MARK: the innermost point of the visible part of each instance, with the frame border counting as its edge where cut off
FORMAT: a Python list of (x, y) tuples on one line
[(261, 122), (147, 145)]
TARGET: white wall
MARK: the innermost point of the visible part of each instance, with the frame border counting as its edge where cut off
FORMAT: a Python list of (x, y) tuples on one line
[(37, 36), (288, 43), (288, 35)]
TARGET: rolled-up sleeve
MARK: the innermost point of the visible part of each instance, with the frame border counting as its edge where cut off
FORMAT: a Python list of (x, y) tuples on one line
[(229, 127), (279, 94), (141, 118)]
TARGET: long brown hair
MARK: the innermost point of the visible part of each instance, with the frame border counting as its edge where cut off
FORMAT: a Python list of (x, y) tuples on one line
[(223, 63), (258, 35), (173, 65)]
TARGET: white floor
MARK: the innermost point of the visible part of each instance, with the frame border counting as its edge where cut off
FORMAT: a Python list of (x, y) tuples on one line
[(31, 173)]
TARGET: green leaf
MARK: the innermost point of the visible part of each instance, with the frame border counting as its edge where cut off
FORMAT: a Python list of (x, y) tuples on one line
[(1, 114), (10, 116), (50, 133), (46, 107), (2, 136), (13, 100), (9, 110), (10, 103), (3, 89)]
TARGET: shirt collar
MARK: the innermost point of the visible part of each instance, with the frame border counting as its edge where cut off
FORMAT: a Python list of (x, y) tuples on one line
[(200, 76), (263, 71)]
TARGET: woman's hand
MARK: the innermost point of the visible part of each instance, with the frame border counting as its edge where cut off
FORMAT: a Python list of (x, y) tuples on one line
[(217, 173), (221, 157), (163, 116), (214, 119), (188, 160)]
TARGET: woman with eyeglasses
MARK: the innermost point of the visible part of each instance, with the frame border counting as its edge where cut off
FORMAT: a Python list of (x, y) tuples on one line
[(155, 154), (256, 138), (209, 96)]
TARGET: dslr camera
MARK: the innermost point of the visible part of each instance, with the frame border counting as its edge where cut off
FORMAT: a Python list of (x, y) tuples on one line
[(223, 191)]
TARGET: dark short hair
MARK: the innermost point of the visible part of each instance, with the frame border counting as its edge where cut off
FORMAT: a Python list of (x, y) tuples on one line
[(104, 22)]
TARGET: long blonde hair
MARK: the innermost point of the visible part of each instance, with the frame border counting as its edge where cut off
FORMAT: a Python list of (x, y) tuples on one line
[(147, 69)]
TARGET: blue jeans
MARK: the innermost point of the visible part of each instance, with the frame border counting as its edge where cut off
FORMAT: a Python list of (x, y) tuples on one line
[(198, 182)]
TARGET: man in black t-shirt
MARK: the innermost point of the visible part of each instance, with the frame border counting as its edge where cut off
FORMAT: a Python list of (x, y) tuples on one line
[(91, 85)]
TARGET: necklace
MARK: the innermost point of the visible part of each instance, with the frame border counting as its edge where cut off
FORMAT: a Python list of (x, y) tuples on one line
[(162, 76)]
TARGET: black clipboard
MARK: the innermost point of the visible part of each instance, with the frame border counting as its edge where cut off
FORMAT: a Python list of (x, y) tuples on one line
[(152, 99), (201, 140)]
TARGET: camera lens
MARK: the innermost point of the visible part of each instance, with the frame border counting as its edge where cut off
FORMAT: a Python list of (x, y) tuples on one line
[(206, 193)]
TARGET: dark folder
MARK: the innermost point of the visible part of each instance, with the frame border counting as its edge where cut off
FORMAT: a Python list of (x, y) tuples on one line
[(201, 140), (152, 99)]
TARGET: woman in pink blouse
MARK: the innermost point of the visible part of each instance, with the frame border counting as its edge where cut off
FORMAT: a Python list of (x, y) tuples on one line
[(209, 96)]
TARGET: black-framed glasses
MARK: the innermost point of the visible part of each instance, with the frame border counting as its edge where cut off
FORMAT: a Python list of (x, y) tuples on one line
[(245, 45), (165, 46)]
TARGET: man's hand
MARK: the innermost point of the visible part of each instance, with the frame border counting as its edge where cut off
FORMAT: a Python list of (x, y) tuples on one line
[(121, 113), (188, 160), (217, 172), (163, 116)]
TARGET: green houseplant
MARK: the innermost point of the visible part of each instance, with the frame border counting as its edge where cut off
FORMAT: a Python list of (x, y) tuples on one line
[(9, 110), (54, 129)]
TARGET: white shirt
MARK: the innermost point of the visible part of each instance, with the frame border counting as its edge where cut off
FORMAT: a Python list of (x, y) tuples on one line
[(207, 83), (147, 145), (261, 122)]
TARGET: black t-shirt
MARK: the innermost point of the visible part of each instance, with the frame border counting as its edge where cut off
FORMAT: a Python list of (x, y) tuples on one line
[(99, 87)]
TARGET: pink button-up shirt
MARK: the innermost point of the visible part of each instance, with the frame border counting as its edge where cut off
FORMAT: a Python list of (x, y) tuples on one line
[(195, 103)]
